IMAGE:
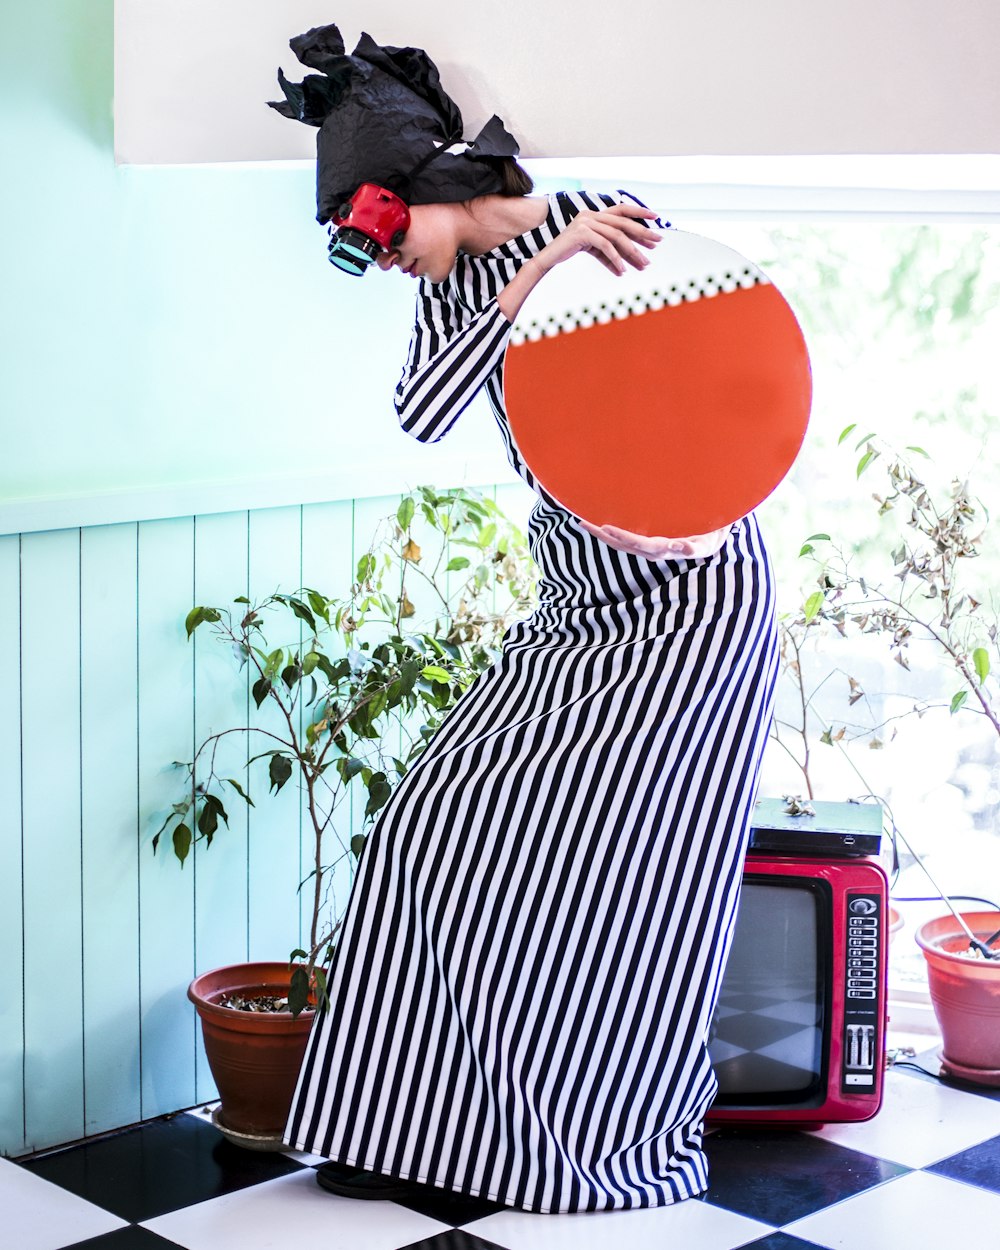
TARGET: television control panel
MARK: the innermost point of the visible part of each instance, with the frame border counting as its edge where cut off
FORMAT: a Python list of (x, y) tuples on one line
[(861, 995)]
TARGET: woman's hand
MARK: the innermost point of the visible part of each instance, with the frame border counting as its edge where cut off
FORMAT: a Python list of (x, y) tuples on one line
[(613, 235), (653, 547)]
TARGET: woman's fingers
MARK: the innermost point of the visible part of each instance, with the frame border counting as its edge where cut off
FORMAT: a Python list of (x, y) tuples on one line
[(615, 236), (621, 244), (653, 547)]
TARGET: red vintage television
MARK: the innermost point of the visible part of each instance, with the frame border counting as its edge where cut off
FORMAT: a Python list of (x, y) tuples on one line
[(798, 1036)]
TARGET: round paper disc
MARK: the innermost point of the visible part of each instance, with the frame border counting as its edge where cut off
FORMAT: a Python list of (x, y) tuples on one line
[(670, 401)]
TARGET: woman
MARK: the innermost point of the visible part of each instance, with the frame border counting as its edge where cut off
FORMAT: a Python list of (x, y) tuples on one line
[(536, 935)]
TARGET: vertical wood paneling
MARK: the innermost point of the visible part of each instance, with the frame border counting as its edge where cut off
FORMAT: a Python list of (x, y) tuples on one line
[(12, 1139), (96, 1030), (327, 553), (109, 843), (369, 515), (220, 704), (50, 673), (166, 890), (275, 826)]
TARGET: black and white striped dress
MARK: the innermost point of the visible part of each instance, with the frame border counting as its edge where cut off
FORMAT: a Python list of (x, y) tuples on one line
[(541, 916)]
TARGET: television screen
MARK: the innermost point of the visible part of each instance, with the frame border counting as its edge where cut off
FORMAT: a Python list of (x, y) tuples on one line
[(767, 1033)]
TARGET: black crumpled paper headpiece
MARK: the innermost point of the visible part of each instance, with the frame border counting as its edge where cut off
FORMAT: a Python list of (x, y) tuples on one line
[(384, 117)]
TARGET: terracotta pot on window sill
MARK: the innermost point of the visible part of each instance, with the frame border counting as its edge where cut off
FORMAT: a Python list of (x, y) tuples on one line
[(965, 994), (254, 1056)]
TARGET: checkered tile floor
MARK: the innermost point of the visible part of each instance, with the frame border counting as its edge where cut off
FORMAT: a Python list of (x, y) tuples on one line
[(924, 1173)]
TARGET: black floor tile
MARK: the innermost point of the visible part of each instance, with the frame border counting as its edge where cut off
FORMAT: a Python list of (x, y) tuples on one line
[(778, 1177), (979, 1165), (131, 1238), (448, 1205), (780, 1241), (158, 1167), (453, 1239)]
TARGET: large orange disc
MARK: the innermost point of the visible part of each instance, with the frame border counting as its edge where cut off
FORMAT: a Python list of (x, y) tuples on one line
[(668, 402)]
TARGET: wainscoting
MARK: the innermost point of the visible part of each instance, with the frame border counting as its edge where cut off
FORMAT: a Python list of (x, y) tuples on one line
[(100, 691)]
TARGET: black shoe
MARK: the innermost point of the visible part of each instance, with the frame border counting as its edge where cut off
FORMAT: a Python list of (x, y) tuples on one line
[(354, 1182)]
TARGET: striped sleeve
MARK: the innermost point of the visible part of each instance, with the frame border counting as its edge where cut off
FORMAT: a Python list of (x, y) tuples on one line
[(452, 353)]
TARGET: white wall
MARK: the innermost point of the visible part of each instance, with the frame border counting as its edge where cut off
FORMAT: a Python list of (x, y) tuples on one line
[(587, 79)]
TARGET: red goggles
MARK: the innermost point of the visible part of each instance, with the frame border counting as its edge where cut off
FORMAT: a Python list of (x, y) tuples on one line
[(372, 221)]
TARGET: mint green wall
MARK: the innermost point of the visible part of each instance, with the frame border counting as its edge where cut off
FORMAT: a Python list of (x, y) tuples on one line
[(165, 325), (173, 312)]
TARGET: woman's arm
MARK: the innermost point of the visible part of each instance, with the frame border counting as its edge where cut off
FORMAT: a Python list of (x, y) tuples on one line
[(451, 356), (453, 353), (613, 235)]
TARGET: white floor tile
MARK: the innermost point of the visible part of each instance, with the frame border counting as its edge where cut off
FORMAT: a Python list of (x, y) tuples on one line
[(301, 1156), (915, 1212), (692, 1225), (267, 1216), (920, 1122), (37, 1215)]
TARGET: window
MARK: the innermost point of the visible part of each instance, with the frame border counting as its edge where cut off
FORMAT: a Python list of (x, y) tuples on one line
[(892, 265)]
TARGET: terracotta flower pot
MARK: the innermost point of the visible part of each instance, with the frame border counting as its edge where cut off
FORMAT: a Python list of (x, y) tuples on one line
[(896, 922), (965, 994), (254, 1056)]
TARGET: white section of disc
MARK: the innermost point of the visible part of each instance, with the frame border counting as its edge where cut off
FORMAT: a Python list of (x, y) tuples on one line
[(581, 292)]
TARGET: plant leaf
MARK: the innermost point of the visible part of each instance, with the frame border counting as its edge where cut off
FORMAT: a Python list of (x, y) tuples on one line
[(404, 513), (208, 822), (865, 461), (813, 605), (279, 770), (981, 660), (378, 793), (302, 612), (182, 842), (958, 700), (214, 802), (197, 615), (298, 990), (845, 431), (236, 786)]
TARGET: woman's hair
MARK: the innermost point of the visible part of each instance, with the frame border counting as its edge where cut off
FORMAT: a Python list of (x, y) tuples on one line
[(516, 181)]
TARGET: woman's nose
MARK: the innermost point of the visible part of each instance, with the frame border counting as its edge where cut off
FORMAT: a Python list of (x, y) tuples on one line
[(386, 260)]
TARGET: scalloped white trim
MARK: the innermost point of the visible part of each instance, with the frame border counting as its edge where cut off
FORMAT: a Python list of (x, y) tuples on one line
[(582, 318)]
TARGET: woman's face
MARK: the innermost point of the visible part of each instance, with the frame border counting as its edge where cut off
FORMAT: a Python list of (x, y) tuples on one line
[(429, 247)]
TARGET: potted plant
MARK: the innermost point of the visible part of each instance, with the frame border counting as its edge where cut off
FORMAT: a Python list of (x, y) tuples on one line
[(365, 665), (926, 598)]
